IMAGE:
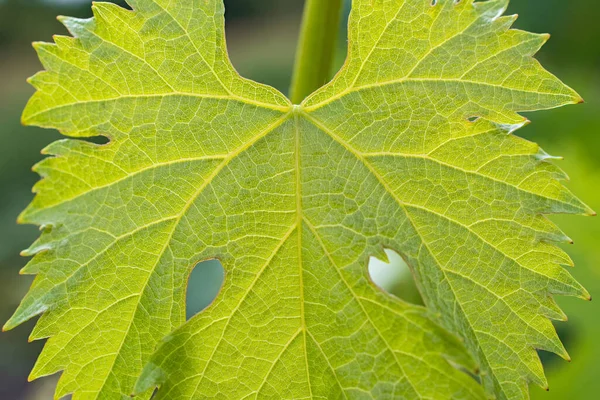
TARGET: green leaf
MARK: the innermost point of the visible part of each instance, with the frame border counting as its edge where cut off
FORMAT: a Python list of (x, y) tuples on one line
[(409, 148)]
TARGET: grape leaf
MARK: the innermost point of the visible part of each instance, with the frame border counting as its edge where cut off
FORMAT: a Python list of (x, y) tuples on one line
[(409, 148)]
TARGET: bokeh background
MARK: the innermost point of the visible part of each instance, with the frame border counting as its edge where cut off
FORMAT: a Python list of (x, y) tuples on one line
[(262, 36)]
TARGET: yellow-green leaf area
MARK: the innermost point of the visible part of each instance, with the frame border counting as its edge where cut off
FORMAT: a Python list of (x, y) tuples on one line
[(409, 148)]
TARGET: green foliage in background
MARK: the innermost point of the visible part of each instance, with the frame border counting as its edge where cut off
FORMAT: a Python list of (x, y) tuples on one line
[(409, 148)]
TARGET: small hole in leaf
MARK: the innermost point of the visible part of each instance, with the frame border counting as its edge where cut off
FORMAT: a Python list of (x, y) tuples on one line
[(203, 286), (100, 140), (395, 277), (472, 119)]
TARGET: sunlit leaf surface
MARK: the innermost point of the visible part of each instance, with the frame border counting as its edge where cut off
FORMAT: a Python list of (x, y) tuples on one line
[(409, 148)]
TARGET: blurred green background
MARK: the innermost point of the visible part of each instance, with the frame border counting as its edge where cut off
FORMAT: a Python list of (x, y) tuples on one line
[(262, 37)]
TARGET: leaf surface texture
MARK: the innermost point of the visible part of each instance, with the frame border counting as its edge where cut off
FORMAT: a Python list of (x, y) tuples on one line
[(409, 148)]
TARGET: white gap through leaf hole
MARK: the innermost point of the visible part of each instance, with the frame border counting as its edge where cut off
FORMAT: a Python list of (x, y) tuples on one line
[(395, 277), (203, 286)]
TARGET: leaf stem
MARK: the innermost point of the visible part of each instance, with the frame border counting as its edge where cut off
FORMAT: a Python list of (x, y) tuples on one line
[(316, 47)]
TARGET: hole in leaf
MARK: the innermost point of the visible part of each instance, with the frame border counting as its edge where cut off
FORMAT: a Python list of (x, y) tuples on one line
[(204, 285), (101, 140), (395, 277)]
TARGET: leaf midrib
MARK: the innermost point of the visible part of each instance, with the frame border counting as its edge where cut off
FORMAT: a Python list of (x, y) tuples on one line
[(332, 99), (29, 118)]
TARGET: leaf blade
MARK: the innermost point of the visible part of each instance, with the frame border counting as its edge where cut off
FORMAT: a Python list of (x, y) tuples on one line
[(294, 200)]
